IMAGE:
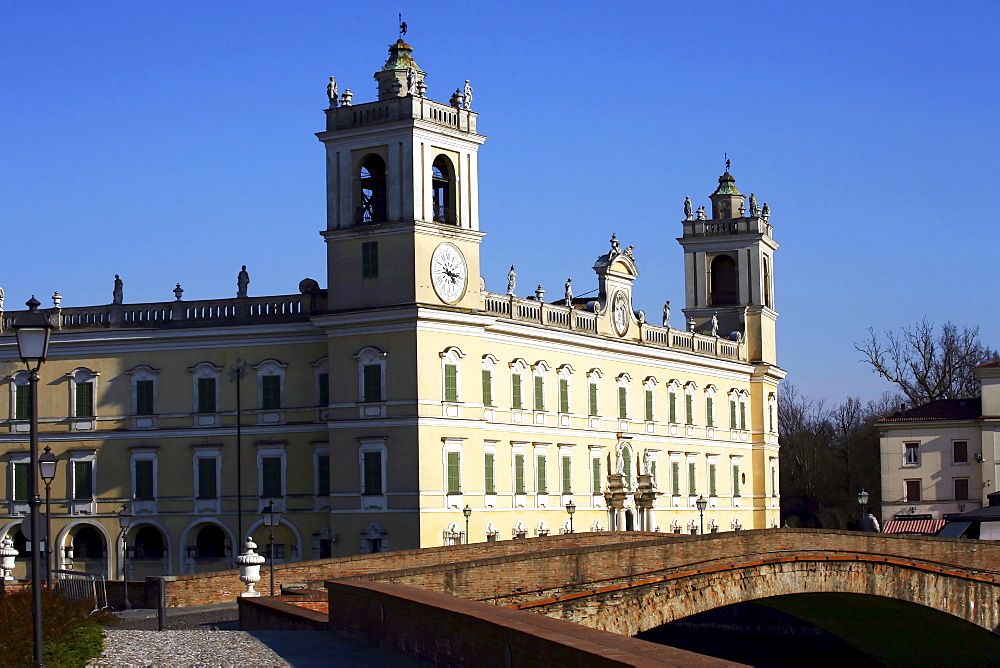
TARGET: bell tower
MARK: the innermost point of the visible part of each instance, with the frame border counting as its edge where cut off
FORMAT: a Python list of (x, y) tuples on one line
[(729, 269), (402, 193)]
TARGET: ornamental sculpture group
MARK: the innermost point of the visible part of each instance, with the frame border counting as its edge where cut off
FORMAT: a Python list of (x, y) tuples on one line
[(756, 211), (118, 290), (415, 87)]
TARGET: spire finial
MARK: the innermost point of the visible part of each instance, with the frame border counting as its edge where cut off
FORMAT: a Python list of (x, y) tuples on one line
[(402, 26), (725, 156)]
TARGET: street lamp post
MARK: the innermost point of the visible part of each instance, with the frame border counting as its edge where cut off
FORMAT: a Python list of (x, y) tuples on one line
[(47, 467), (467, 511), (571, 508), (863, 502), (33, 330), (237, 372), (125, 521), (702, 503), (271, 517)]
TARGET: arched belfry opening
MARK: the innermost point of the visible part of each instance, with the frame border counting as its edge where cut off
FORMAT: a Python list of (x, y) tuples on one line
[(443, 190), (371, 198), (724, 284)]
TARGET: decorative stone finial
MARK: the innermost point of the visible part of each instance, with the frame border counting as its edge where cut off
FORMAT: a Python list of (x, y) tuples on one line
[(457, 99), (345, 99), (7, 556), (249, 564), (539, 293), (178, 292), (56, 299)]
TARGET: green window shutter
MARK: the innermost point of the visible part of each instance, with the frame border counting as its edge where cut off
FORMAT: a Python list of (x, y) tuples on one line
[(22, 397), (323, 475), (540, 475), (206, 395), (515, 387), (567, 475), (207, 488), (564, 395), (143, 479), (743, 415), (593, 399), (369, 259), (490, 476), (21, 471), (622, 403), (270, 392), (597, 475), (451, 382), (84, 400), (652, 469), (711, 480), (487, 387), (83, 481), (673, 407), (692, 479), (271, 486), (144, 397), (732, 414), (626, 464), (324, 389), (539, 393), (709, 410), (736, 480), (372, 473), (649, 405), (372, 383), (689, 408), (675, 478), (454, 472), (519, 474)]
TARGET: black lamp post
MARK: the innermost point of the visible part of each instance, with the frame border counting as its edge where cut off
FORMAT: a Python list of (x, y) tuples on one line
[(271, 518), (702, 503), (571, 508), (237, 372), (47, 467), (863, 501), (33, 330), (467, 511), (125, 521)]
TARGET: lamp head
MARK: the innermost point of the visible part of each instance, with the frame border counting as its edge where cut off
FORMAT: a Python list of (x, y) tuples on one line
[(863, 497), (570, 507), (47, 465), (33, 330), (702, 503), (467, 510), (269, 515), (124, 517)]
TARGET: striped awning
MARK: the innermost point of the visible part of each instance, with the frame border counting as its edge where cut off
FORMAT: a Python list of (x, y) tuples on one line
[(913, 526)]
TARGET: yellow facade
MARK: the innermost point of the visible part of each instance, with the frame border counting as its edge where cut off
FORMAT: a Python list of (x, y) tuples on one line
[(376, 410)]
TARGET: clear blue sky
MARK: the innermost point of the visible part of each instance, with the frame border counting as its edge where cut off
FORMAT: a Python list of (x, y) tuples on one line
[(173, 141)]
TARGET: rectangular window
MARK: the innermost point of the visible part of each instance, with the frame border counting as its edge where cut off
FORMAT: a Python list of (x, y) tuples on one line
[(487, 387), (712, 490), (369, 259), (961, 489), (207, 479), (143, 472), (144, 397), (206, 395), (519, 474), (673, 408), (454, 472), (515, 391), (960, 452), (323, 385), (491, 487), (689, 408), (323, 475), (567, 475), (541, 485), (84, 400), (592, 403), (912, 491), (736, 479), (649, 405), (21, 471), (451, 382), (732, 414), (675, 478), (743, 415), (83, 480), (622, 403), (270, 473), (539, 393), (692, 479), (22, 396), (710, 412), (911, 454), (564, 395), (372, 383), (270, 392), (596, 471), (372, 473)]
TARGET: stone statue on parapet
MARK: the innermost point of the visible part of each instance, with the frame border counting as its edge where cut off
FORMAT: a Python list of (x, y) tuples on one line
[(646, 463), (690, 324), (688, 211), (511, 280), (754, 207), (242, 281), (331, 92), (765, 212), (569, 292), (628, 253), (118, 294), (666, 314), (615, 248), (411, 81), (715, 324), (467, 96)]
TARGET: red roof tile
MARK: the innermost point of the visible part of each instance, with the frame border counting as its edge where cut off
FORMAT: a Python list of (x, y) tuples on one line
[(942, 409)]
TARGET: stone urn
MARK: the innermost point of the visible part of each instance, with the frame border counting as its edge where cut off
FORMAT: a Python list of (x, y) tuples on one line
[(7, 556), (249, 564)]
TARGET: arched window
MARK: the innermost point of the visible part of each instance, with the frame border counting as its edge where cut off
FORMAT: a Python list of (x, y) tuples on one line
[(443, 190), (724, 283), (371, 208)]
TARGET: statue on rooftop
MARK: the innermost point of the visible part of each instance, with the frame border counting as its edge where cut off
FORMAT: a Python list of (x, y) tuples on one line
[(117, 295), (331, 92), (701, 213), (569, 292), (646, 462), (765, 212), (411, 81), (688, 211), (666, 314), (754, 207), (467, 96), (242, 281), (715, 324), (1, 299), (511, 280), (616, 248)]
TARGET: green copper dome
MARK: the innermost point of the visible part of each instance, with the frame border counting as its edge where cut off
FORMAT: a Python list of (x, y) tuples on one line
[(400, 58), (727, 185)]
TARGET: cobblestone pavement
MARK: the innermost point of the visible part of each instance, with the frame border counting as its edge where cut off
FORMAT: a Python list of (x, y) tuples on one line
[(185, 648)]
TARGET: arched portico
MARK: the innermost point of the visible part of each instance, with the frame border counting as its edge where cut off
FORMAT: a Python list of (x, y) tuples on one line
[(206, 545), (286, 535)]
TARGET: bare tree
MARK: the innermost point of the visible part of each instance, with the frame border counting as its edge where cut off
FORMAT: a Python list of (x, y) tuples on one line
[(926, 364)]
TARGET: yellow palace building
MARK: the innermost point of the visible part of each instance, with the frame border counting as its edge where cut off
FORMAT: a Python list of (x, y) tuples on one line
[(375, 411)]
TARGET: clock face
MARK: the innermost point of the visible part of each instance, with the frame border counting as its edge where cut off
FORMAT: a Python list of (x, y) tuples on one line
[(619, 313), (449, 273)]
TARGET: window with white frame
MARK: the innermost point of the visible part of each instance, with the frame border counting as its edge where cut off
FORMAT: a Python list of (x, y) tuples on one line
[(517, 463), (321, 376), (144, 474), (911, 454), (321, 468), (710, 405), (271, 462), (538, 372), (672, 390), (733, 408), (596, 475), (565, 373), (744, 398), (625, 464), (649, 397), (451, 359), (675, 475), (737, 476), (593, 396), (82, 475), (772, 413), (371, 375), (372, 460), (689, 390), (270, 384), (206, 387), (517, 373), (692, 477), (774, 476), (490, 467), (713, 485), (623, 381), (541, 470), (20, 464), (207, 473), (489, 363), (453, 466), (959, 452), (565, 470), (20, 396), (144, 389), (83, 392)]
